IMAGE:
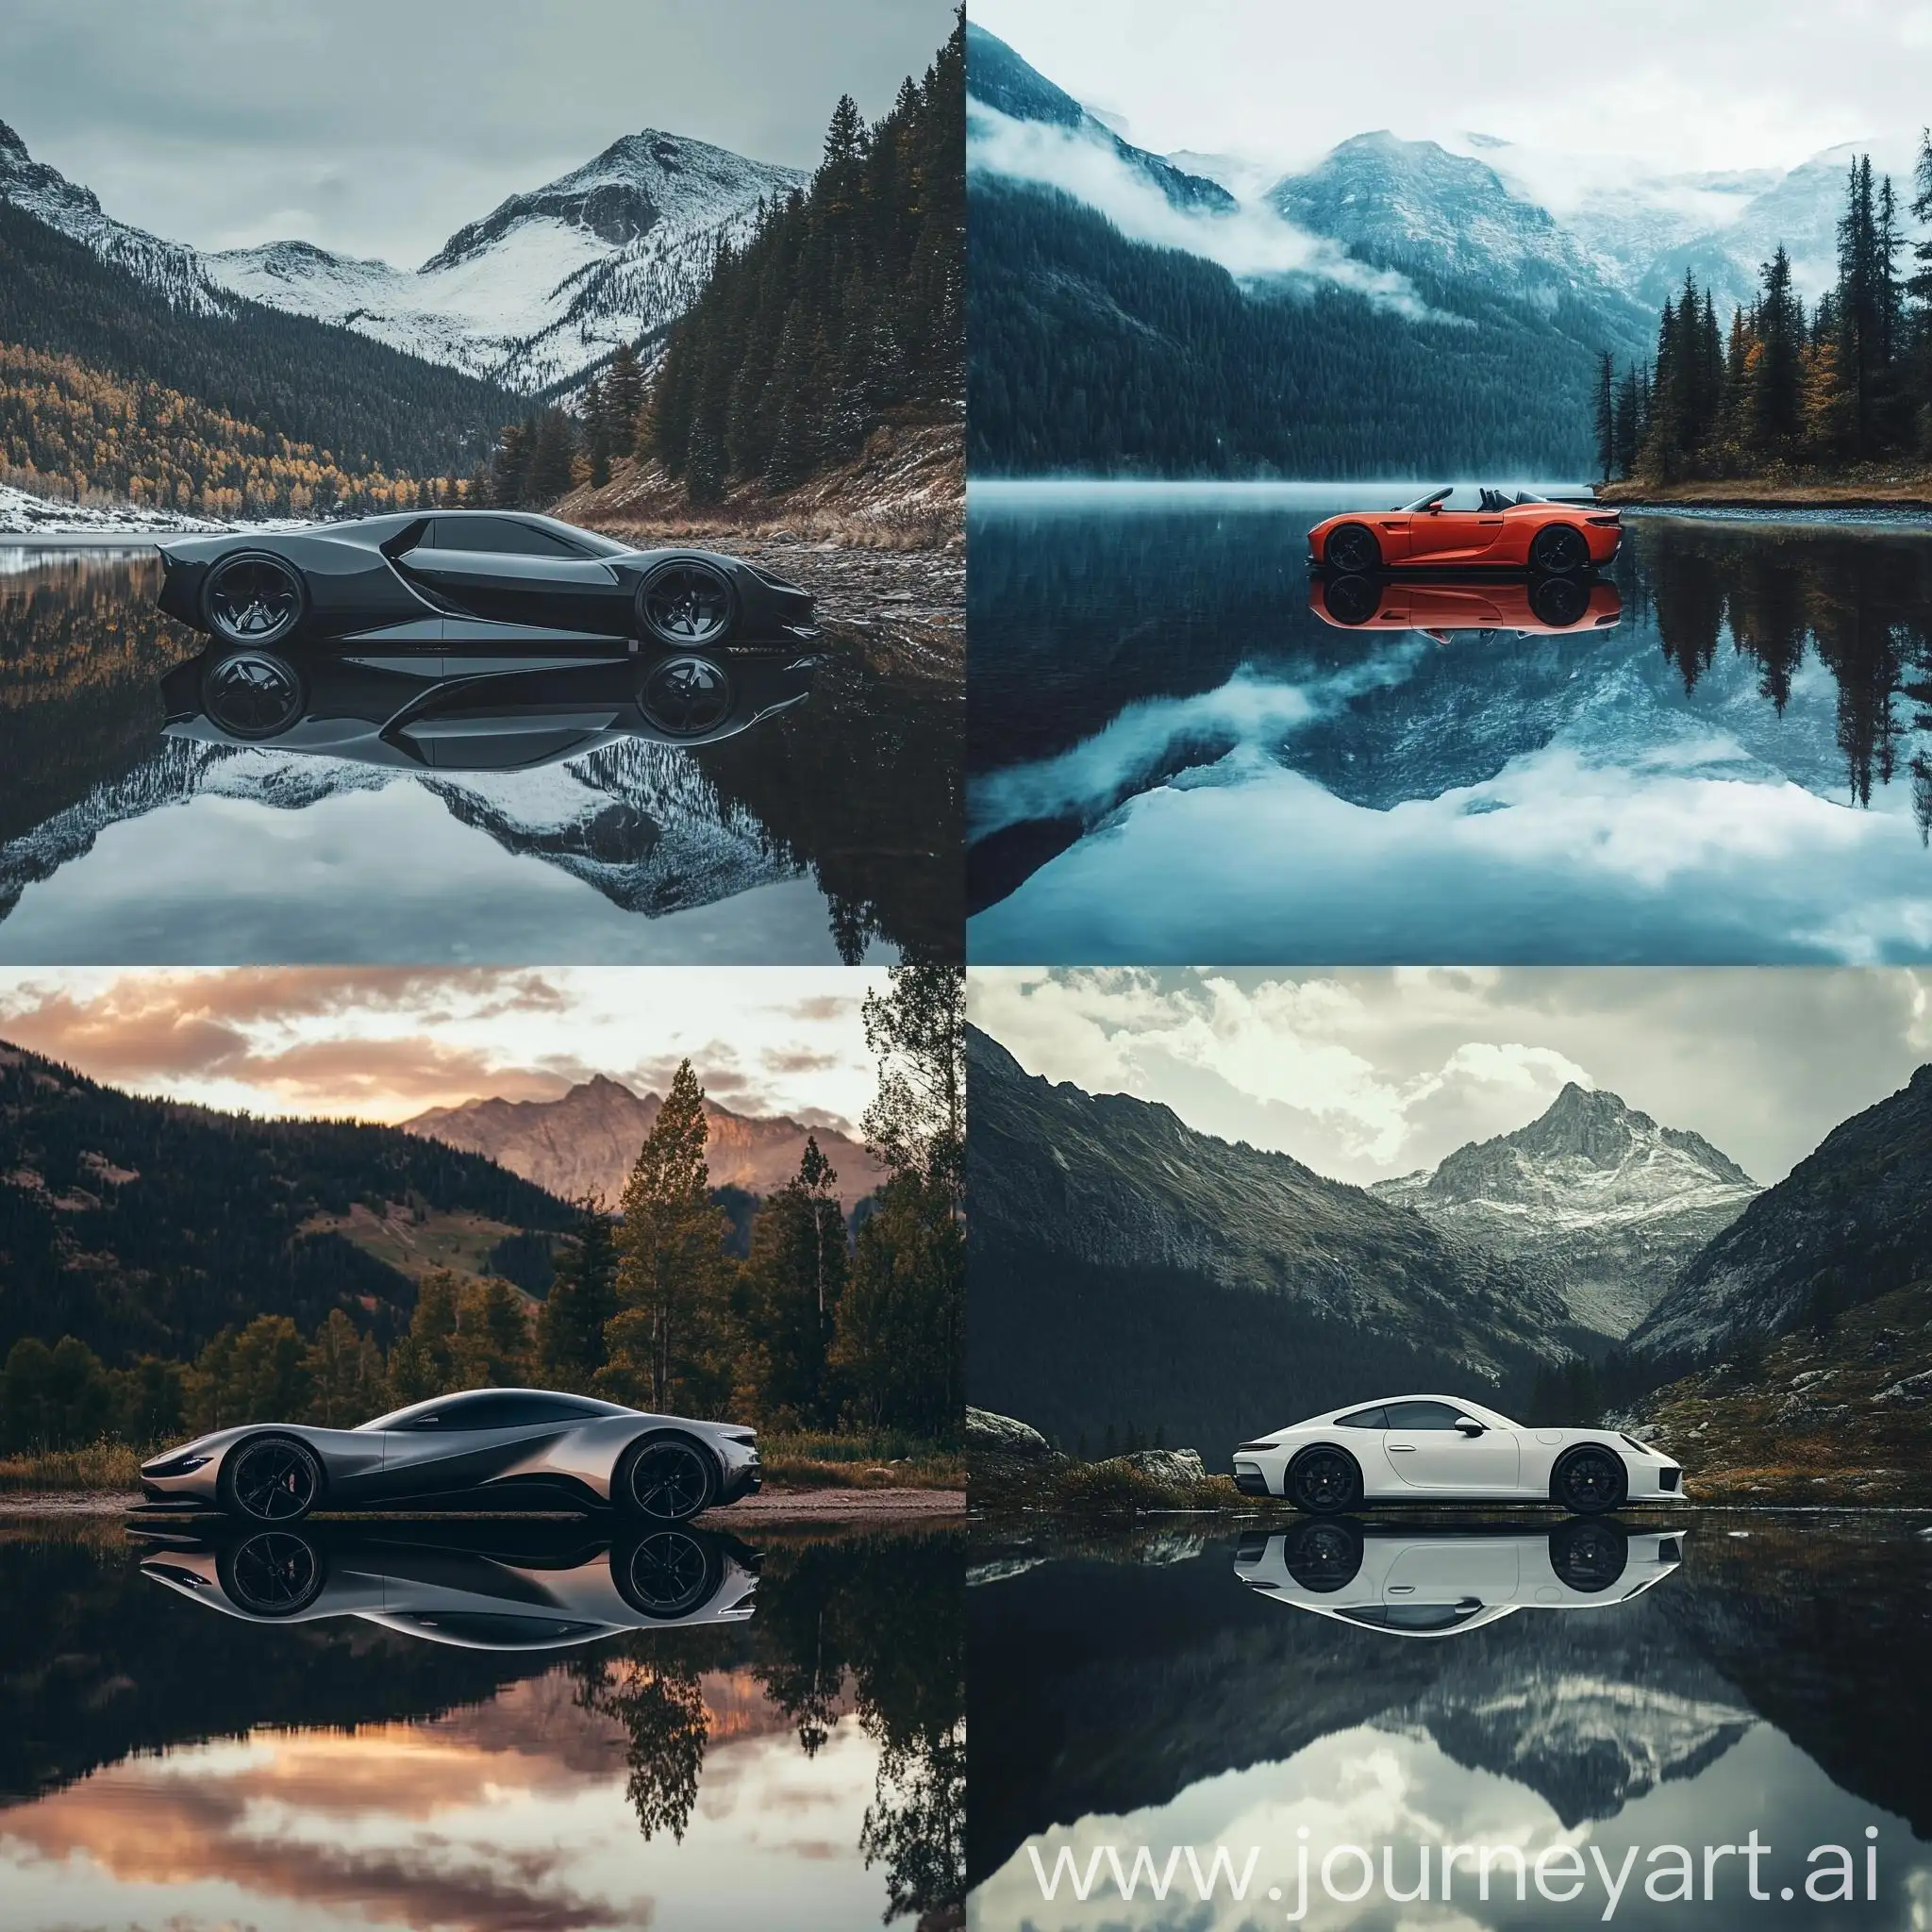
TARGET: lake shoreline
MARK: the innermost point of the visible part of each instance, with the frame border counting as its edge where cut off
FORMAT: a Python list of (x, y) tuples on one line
[(772, 1505)]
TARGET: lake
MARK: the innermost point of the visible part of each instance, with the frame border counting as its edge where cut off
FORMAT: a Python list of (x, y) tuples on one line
[(1172, 758), (1184, 1689), (828, 831), (797, 1760)]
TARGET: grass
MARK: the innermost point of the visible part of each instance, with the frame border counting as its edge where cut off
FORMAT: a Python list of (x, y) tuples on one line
[(1874, 484), (1061, 1485), (96, 1466)]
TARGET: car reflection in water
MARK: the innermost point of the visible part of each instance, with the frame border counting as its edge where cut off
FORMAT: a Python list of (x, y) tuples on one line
[(479, 1587), (476, 709), (1441, 1581), (1518, 606)]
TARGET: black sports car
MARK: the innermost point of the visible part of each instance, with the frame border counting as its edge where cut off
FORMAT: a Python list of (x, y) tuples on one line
[(431, 577), (504, 708)]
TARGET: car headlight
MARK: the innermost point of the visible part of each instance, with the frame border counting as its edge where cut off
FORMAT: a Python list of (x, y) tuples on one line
[(178, 1465)]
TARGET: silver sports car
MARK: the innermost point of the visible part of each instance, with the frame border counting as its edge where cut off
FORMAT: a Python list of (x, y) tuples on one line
[(486, 1448), (541, 1586)]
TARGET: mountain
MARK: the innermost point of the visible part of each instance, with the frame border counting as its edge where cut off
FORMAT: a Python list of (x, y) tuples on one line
[(530, 295), (588, 1142), (1849, 1223), (1600, 1200), (547, 283), (1128, 1270), (145, 1225)]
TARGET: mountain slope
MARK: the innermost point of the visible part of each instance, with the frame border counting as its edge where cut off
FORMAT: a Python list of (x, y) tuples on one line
[(141, 1226), (1849, 1223), (1605, 1204), (587, 1140), (1126, 1268)]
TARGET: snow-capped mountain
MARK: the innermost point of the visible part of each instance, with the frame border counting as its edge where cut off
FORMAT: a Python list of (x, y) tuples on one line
[(548, 282), (1598, 1196), (535, 291)]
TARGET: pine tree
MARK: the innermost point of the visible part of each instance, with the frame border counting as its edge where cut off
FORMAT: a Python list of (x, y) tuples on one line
[(550, 473), (1606, 417), (582, 1298), (794, 1280), (1779, 385)]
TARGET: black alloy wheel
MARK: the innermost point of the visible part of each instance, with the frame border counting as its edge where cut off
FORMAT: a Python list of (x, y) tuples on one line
[(686, 697), (1352, 599), (668, 1574), (1558, 548), (1590, 1554), (272, 1479), (671, 1479), (1325, 1556), (1324, 1481), (1590, 1481), (252, 694), (252, 599), (275, 1573), (1559, 602), (1352, 549), (687, 603)]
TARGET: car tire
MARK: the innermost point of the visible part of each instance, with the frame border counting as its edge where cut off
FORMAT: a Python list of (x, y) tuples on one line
[(1324, 1555), (1352, 599), (667, 1574), (252, 598), (1353, 549), (251, 694), (271, 1481), (1560, 549), (1590, 1481), (664, 1479), (687, 603), (274, 1573), (685, 696), (1588, 1555), (1560, 601), (1324, 1481)]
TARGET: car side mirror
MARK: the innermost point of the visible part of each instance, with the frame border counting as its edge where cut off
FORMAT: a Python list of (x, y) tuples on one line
[(1470, 1427)]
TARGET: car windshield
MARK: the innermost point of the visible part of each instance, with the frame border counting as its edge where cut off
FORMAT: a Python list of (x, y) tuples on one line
[(1435, 496), (1477, 498)]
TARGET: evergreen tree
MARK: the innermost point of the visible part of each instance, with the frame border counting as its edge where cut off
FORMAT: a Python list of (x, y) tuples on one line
[(346, 1374), (582, 1298), (794, 1281), (917, 1031), (1606, 418), (550, 473), (1778, 382), (1629, 422), (491, 1346)]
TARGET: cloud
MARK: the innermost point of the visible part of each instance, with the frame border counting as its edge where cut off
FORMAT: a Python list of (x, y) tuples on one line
[(1252, 242)]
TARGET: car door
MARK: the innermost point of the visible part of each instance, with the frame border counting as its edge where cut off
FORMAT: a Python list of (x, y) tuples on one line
[(463, 1442), (1464, 1571), (1454, 532), (1428, 1450), (503, 570)]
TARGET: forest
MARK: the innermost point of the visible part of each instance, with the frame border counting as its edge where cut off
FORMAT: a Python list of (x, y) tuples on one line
[(1779, 389), (845, 310), (223, 1304)]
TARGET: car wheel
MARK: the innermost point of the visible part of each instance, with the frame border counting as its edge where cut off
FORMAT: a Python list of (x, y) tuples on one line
[(1558, 548), (1589, 1481), (687, 603), (1324, 1481), (1352, 600), (1352, 549), (252, 694), (1588, 1556), (669, 1572), (666, 1479), (685, 697), (1559, 602), (275, 1573), (270, 1479), (1324, 1555), (252, 598)]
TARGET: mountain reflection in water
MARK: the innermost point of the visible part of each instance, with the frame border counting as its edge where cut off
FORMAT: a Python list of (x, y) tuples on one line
[(163, 1765), (1132, 1690), (1172, 756), (829, 829)]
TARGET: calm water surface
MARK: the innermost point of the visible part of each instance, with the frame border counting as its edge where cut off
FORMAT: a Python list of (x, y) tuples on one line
[(163, 1763), (1138, 1689), (1172, 758), (828, 831)]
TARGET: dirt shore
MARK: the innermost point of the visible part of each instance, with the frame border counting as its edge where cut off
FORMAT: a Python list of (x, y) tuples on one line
[(774, 1506), (1876, 490)]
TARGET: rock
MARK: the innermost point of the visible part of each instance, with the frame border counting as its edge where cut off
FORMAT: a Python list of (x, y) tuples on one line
[(1176, 1467), (1911, 1388), (1004, 1435), (1809, 1377)]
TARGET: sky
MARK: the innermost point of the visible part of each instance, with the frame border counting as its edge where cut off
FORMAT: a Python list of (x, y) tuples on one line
[(1721, 84), (1378, 1072), (383, 1043), (378, 130)]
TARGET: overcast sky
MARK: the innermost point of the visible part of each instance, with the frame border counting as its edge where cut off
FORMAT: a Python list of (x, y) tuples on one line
[(375, 128), (1718, 84), (383, 1043), (1373, 1073)]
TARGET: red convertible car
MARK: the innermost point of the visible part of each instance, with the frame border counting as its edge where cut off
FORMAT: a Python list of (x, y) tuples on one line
[(1542, 607), (1495, 529)]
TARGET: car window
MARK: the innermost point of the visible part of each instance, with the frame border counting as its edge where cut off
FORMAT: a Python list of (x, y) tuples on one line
[(490, 1409), (501, 535), (1421, 1415), (1365, 1419)]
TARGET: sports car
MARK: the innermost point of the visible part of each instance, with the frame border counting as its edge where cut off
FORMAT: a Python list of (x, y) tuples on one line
[(429, 577), (509, 1587), (1421, 1583), (473, 709), (483, 1448), (1526, 607), (1437, 1449), (1497, 530)]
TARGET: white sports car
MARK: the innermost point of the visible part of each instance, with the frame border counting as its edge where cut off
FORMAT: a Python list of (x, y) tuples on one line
[(1421, 1583), (1437, 1449)]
